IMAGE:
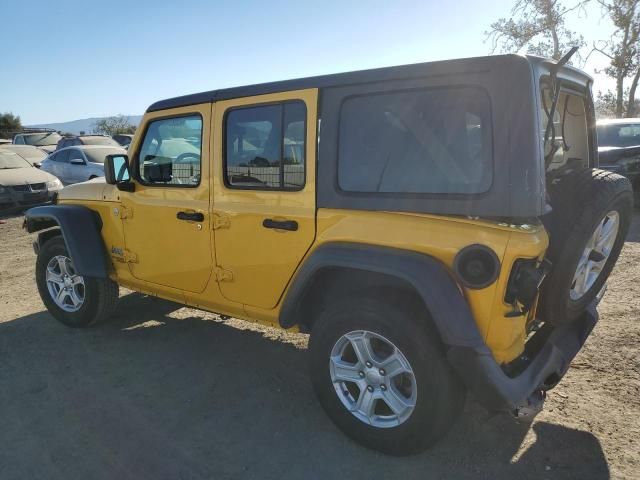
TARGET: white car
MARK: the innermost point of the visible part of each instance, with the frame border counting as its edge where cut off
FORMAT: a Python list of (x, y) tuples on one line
[(79, 163), (21, 184), (33, 155)]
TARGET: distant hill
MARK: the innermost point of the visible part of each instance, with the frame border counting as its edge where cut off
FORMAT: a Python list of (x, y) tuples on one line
[(84, 125)]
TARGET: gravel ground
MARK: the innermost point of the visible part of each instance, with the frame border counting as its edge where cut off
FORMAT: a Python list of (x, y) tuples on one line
[(168, 392)]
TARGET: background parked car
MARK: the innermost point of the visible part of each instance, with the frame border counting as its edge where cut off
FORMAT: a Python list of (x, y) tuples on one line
[(21, 184), (619, 149), (79, 164), (87, 140), (123, 139), (33, 155), (45, 140), (4, 141)]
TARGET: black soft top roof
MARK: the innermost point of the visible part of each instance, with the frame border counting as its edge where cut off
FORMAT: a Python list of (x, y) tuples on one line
[(445, 67)]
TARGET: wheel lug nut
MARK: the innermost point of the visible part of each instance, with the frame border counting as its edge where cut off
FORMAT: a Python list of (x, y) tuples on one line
[(383, 387), (370, 388), (368, 364), (382, 372), (361, 374)]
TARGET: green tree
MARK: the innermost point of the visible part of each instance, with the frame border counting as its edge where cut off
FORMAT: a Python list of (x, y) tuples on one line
[(537, 26), (114, 125), (9, 124)]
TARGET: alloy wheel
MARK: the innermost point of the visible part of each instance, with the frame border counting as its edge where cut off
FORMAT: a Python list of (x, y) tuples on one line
[(373, 379)]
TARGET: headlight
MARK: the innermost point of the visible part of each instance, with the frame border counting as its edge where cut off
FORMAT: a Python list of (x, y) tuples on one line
[(54, 184)]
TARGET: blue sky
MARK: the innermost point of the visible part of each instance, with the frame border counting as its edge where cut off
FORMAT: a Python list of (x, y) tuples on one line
[(69, 59)]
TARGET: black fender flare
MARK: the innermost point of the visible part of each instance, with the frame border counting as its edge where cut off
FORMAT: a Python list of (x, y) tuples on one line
[(466, 351), (431, 280), (80, 227)]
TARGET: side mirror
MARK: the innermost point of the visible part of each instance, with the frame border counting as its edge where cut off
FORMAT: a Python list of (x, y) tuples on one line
[(77, 161), (116, 172)]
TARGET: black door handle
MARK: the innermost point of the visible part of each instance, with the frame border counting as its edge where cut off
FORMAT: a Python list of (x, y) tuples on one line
[(191, 216), (290, 225)]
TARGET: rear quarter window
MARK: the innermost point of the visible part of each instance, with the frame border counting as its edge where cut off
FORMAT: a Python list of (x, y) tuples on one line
[(433, 141)]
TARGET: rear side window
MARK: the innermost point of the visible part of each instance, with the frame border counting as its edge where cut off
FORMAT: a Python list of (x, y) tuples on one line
[(434, 140), (265, 147)]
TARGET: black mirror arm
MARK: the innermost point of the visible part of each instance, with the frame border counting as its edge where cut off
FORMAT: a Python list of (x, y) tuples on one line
[(126, 186)]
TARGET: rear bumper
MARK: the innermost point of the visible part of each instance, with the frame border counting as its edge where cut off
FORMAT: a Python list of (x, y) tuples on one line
[(554, 349)]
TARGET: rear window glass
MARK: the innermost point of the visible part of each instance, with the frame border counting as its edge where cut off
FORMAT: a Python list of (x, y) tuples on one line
[(421, 141), (99, 155), (100, 141)]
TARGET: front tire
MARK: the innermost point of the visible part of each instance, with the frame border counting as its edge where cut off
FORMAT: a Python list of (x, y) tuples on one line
[(380, 374), (73, 300)]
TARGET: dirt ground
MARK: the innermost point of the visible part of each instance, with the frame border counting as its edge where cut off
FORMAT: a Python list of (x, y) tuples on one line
[(168, 392)]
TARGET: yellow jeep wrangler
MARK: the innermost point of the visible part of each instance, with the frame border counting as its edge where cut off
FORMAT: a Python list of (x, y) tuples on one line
[(437, 228)]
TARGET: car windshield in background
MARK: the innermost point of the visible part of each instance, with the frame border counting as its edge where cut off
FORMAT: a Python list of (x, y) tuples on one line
[(12, 160), (98, 155), (42, 139), (619, 135), (108, 141)]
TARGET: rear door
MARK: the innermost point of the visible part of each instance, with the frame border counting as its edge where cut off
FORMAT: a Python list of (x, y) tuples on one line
[(264, 192)]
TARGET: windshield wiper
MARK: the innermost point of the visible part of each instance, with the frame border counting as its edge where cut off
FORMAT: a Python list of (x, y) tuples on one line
[(555, 92)]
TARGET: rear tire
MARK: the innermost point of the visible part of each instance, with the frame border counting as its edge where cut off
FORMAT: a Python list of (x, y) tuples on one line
[(587, 205), (81, 307), (435, 393)]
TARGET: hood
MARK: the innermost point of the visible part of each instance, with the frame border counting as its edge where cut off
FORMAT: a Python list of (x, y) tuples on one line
[(48, 148), (20, 176), (89, 190)]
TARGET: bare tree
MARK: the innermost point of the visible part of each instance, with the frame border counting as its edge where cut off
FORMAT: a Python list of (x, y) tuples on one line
[(538, 25), (114, 125), (622, 50)]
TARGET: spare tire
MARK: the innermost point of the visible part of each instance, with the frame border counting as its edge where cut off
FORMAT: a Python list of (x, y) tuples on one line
[(590, 218)]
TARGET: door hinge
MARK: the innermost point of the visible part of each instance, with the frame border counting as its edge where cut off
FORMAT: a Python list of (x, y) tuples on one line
[(220, 220), (124, 255), (123, 212), (223, 275)]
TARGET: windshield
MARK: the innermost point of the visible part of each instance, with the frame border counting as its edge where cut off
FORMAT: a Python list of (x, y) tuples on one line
[(100, 141), (619, 135), (99, 154), (11, 160), (41, 139)]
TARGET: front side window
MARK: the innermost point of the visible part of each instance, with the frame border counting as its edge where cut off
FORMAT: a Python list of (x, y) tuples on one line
[(171, 152), (434, 140), (265, 147), (62, 157)]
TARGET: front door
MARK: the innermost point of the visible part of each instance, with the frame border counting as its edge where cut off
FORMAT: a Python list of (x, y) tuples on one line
[(166, 219), (264, 193)]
